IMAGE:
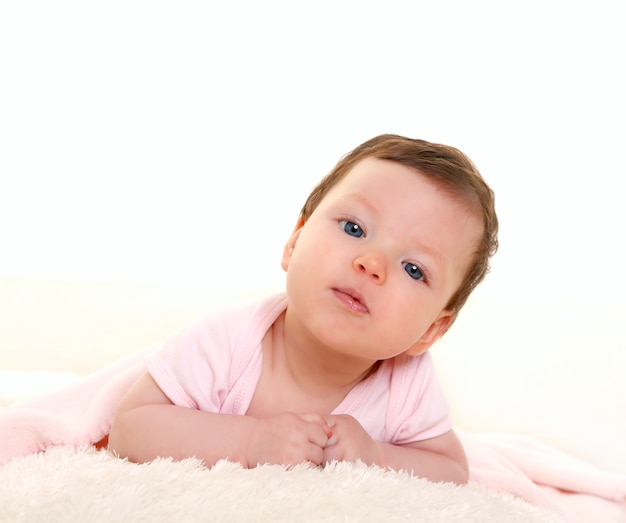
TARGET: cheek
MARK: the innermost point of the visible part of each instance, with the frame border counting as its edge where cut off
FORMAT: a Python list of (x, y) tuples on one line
[(303, 266), (309, 249), (410, 315)]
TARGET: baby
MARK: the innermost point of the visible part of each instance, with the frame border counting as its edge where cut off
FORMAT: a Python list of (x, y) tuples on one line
[(386, 251)]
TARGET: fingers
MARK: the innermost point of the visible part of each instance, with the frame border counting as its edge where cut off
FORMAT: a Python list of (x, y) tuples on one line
[(312, 417), (288, 439), (316, 455), (317, 435), (332, 453), (323, 422), (331, 441)]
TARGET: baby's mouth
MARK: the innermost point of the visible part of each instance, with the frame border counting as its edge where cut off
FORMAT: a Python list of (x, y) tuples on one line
[(352, 300)]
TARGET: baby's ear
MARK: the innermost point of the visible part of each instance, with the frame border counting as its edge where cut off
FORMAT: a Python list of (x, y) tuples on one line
[(436, 330), (291, 245)]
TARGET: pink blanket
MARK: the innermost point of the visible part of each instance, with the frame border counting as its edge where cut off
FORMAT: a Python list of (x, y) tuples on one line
[(542, 475)]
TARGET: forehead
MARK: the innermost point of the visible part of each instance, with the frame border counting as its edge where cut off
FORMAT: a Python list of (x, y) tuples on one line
[(386, 178), (382, 176)]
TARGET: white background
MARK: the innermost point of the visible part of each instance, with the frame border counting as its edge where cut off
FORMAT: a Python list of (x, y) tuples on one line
[(175, 142)]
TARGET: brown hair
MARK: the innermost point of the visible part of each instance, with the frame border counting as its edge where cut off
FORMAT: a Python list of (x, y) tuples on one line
[(451, 170)]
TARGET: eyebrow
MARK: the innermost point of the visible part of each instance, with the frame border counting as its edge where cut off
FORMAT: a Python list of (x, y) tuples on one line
[(363, 201)]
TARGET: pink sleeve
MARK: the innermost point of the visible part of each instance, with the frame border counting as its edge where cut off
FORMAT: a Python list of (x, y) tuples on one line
[(418, 408), (192, 367), (214, 365)]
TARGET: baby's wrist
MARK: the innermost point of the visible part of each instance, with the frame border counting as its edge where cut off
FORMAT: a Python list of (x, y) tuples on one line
[(380, 454), (249, 435)]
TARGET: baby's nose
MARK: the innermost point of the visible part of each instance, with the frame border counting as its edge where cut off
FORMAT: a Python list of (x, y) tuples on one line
[(372, 264)]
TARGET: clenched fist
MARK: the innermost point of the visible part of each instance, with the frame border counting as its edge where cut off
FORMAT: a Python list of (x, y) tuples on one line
[(288, 439), (350, 442)]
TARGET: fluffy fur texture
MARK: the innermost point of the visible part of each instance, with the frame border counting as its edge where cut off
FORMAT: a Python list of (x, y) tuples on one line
[(66, 484)]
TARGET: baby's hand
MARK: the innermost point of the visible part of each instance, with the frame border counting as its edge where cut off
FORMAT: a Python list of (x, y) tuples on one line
[(350, 441), (288, 439)]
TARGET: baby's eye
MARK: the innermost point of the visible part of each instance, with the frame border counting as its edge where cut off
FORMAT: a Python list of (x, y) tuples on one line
[(413, 271), (351, 228)]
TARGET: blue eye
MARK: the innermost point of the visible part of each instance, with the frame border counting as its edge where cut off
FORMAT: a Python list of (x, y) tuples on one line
[(413, 271), (352, 228)]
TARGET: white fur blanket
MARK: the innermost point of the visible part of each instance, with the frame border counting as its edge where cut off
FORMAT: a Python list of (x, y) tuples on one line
[(66, 484)]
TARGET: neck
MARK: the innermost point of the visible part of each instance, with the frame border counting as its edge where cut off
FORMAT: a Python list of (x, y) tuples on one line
[(314, 366)]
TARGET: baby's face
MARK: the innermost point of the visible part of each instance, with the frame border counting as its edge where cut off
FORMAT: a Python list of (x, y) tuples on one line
[(372, 269)]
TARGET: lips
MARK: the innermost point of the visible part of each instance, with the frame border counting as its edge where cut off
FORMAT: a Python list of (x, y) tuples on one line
[(352, 300)]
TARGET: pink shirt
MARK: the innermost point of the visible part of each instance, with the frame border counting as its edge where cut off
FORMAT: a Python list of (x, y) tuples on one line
[(215, 365)]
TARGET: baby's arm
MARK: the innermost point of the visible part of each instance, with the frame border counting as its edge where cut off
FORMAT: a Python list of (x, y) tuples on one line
[(441, 458), (147, 425)]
